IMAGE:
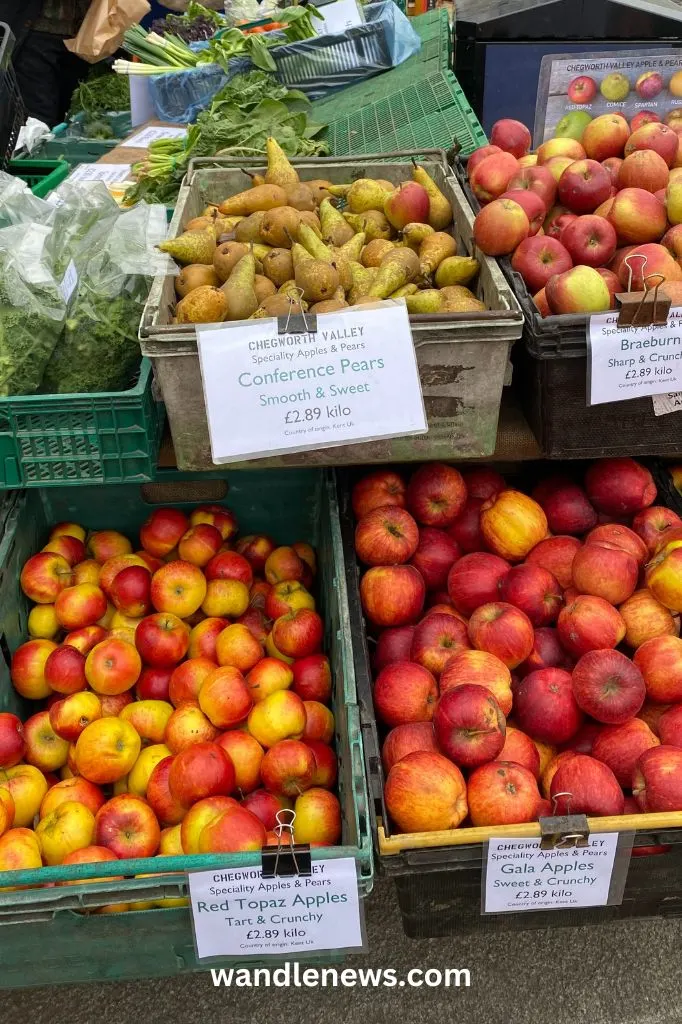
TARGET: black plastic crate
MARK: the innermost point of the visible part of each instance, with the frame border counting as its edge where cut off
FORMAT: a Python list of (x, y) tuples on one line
[(439, 888), (668, 494), (12, 112)]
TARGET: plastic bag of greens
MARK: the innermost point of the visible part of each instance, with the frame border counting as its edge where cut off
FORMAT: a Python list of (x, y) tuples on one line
[(18, 205), (33, 306), (83, 214), (99, 350)]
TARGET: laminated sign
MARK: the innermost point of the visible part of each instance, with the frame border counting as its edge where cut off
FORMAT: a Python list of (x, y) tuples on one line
[(308, 382), (633, 362)]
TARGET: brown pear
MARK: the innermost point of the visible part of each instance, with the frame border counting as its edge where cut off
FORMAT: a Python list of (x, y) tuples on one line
[(278, 266), (263, 287), (203, 305), (414, 234), (397, 269), (434, 249), (319, 188), (312, 221), (200, 223), (239, 289), (329, 306), (248, 230), (374, 223), (193, 276), (277, 305), (336, 230), (262, 197), (317, 280), (374, 252), (279, 227), (458, 299), (227, 256), (301, 197)]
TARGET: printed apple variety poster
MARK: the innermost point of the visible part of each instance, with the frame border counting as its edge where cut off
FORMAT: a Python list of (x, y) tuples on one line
[(642, 85)]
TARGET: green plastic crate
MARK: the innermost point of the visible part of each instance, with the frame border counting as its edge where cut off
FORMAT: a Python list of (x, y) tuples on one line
[(52, 440), (433, 28), (70, 145), (40, 175), (287, 504), (430, 113)]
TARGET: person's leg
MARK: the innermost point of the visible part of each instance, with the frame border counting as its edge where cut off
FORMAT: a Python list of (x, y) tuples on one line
[(39, 68)]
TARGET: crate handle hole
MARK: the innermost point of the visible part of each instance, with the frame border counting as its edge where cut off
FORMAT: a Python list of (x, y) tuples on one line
[(184, 491)]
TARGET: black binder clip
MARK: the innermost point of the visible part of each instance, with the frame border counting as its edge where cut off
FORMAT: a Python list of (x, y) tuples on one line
[(643, 309), (564, 831), (297, 323), (287, 858)]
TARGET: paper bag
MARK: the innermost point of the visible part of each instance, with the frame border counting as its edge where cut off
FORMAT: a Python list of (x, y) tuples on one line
[(103, 26)]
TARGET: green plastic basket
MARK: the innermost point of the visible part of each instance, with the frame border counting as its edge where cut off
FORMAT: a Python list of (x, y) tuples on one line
[(381, 115), (40, 175), (51, 440), (433, 28), (71, 145), (286, 504)]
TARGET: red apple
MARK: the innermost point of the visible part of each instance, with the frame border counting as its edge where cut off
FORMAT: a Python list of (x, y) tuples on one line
[(425, 793), (199, 771), (556, 220), (436, 639), (606, 572), (670, 726), (490, 178), (475, 580), (480, 154), (656, 136), (539, 258), (619, 536), (582, 89), (532, 205), (547, 653), (393, 645), (612, 283), (405, 692), (153, 684), (12, 740), (266, 806), (583, 186), (545, 706), (386, 536), (583, 785), (566, 506), (652, 522), (520, 749), (298, 634), (657, 780), (502, 630), (392, 595), (383, 487), (500, 226), (589, 624), (406, 739), (511, 136), (620, 747), (660, 662), (605, 136), (479, 668), (436, 494), (535, 591), (502, 793), (162, 639), (469, 725), (229, 565), (537, 179), (556, 554), (643, 169), (436, 553), (608, 686), (483, 482), (130, 591), (162, 531), (312, 678), (590, 240)]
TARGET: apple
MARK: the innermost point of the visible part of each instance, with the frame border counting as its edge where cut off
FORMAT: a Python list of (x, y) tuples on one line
[(106, 544), (652, 522), (383, 487), (660, 138), (225, 598), (480, 154), (70, 548), (113, 666), (270, 675), (643, 169), (12, 740), (612, 283), (392, 595), (76, 790), (149, 718), (579, 290), (199, 816), (588, 624), (68, 717), (69, 827), (65, 670), (512, 524), (608, 686), (287, 596), (537, 259), (200, 771), (535, 179), (638, 216), (44, 748), (545, 706), (44, 576), (393, 645), (500, 226), (566, 506), (620, 747), (407, 204), (469, 725), (405, 739), (613, 165), (287, 768), (113, 704), (319, 722), (435, 553), (203, 638), (663, 578), (284, 564), (28, 669), (480, 669), (153, 684), (185, 681), (297, 634), (256, 622), (620, 487), (605, 571), (475, 580), (405, 692), (589, 240), (532, 205), (130, 591), (583, 186), (521, 750), (490, 178), (582, 89), (657, 780), (436, 638), (266, 806), (225, 698), (425, 792), (127, 826), (535, 591), (670, 726), (162, 531), (547, 653), (643, 117), (280, 716), (245, 754), (503, 630), (166, 806), (187, 725), (573, 124), (318, 818), (326, 768), (511, 136), (502, 793), (660, 662), (583, 785), (236, 646), (556, 554), (557, 219), (162, 639), (179, 588), (466, 529), (200, 544), (137, 780), (106, 750), (386, 536), (436, 494), (649, 84), (645, 618), (256, 549), (560, 147), (217, 516)]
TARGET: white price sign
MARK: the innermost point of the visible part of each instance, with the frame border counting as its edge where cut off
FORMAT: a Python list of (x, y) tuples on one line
[(354, 379), (632, 362), (69, 282), (522, 876), (240, 913), (671, 401), (108, 173), (142, 138)]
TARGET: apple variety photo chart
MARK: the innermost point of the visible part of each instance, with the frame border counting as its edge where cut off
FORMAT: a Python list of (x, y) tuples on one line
[(574, 90)]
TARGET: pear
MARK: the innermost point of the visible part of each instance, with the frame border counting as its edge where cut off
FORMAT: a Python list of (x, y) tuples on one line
[(193, 276), (200, 223), (279, 172), (329, 306), (440, 209), (226, 257), (256, 179), (428, 301), (312, 220), (335, 229), (260, 251), (263, 287), (299, 254), (397, 269), (364, 194), (352, 249), (276, 305), (374, 252), (191, 247), (301, 197), (362, 278), (434, 249), (262, 197), (313, 244), (292, 291), (278, 266), (210, 211), (317, 280), (319, 188), (239, 289), (203, 305), (374, 223), (224, 225), (248, 229), (414, 234), (279, 226), (457, 299), (401, 293), (456, 270)]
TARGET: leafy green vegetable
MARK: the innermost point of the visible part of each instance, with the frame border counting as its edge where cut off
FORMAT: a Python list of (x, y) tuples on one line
[(100, 93)]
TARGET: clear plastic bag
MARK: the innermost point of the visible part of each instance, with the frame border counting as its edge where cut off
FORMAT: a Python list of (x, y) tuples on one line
[(99, 349), (32, 308), (18, 205), (83, 215)]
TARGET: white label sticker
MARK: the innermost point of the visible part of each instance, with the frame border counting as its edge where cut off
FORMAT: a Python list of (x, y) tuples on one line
[(240, 913), (108, 173), (670, 402), (521, 876), (142, 139), (633, 362), (69, 282), (354, 379)]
